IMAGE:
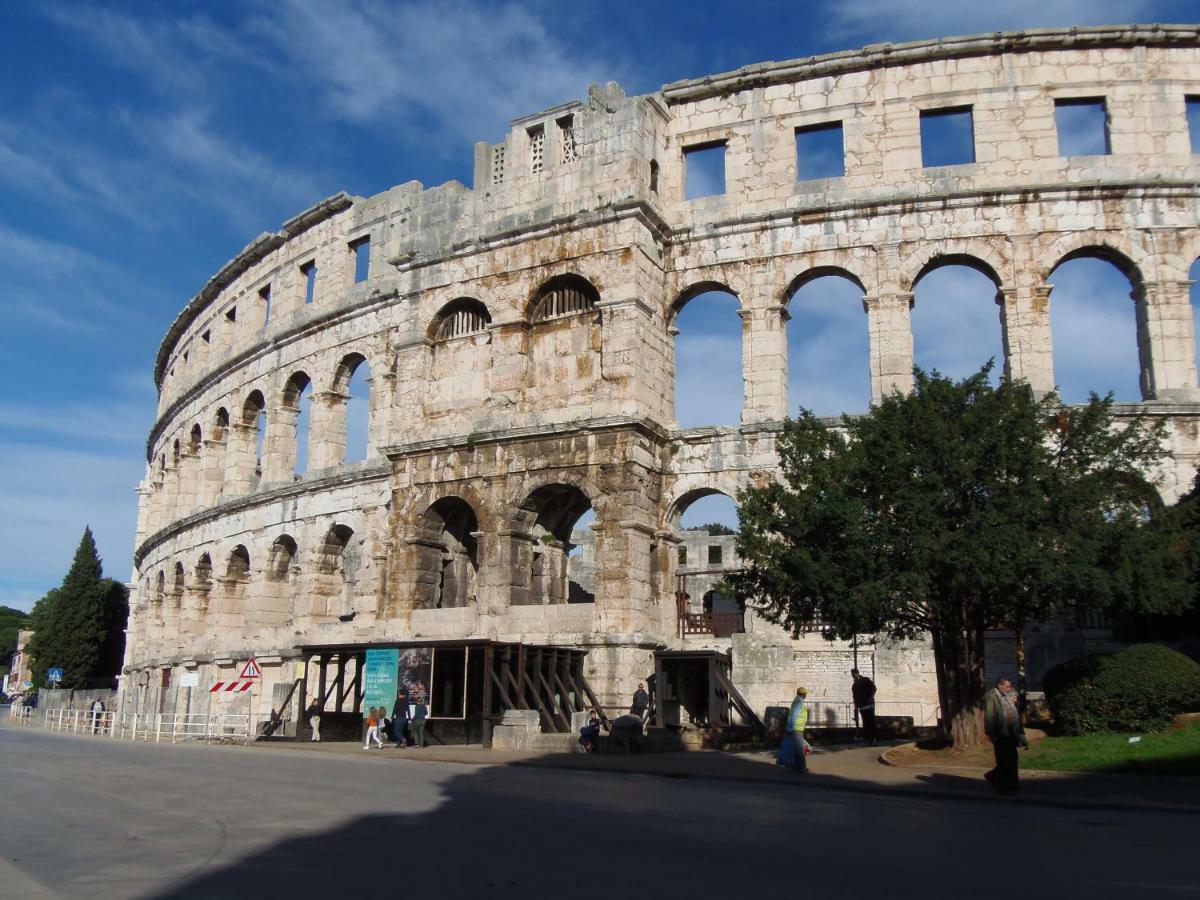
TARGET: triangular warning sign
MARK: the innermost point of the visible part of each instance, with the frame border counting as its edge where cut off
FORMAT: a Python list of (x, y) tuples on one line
[(251, 669)]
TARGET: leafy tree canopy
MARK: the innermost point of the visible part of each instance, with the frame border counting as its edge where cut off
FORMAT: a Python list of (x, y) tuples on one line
[(712, 528), (79, 625), (11, 621), (959, 507)]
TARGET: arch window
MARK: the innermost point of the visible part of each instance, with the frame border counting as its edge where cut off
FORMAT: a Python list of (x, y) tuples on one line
[(254, 415), (220, 424), (1094, 327), (195, 439), (709, 379), (560, 570), (203, 575), (461, 318), (283, 554), (956, 324), (828, 341), (353, 381), (566, 295), (706, 522), (160, 592), (450, 552), (297, 396), (177, 588)]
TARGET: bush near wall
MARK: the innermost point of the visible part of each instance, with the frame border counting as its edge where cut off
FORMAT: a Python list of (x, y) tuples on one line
[(1137, 689)]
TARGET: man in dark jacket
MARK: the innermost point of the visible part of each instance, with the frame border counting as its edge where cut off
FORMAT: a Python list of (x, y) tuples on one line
[(1002, 722), (641, 701), (863, 692), (400, 719)]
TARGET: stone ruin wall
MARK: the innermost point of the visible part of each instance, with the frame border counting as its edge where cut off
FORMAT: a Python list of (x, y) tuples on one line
[(481, 443)]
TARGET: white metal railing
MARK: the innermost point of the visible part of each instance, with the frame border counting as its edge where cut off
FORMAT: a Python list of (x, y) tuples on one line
[(19, 714), (156, 727)]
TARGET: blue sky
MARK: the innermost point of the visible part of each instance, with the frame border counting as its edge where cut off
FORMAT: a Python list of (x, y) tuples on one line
[(142, 145)]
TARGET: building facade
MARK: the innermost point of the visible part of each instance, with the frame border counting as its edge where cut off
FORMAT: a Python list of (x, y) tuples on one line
[(519, 341)]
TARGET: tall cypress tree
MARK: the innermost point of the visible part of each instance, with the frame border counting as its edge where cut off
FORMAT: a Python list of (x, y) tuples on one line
[(80, 624)]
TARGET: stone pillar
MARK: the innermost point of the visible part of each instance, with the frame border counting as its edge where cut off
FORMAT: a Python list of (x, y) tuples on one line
[(195, 611), (891, 343), (327, 430), (241, 461), (189, 482), (1028, 346), (411, 381), (764, 364), (1166, 340), (279, 448), (632, 348), (624, 605), (213, 477), (145, 514), (510, 352)]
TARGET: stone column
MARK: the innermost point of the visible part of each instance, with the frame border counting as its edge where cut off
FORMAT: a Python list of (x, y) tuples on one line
[(189, 481), (145, 514), (279, 448), (764, 364), (1028, 345), (631, 347), (327, 430), (195, 610), (411, 382), (624, 604), (510, 352), (241, 462), (1166, 340), (214, 471), (891, 343)]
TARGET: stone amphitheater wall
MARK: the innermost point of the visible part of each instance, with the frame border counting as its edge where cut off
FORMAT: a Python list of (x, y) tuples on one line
[(517, 415)]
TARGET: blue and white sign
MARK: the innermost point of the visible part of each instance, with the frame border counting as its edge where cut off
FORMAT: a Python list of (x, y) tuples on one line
[(54, 676)]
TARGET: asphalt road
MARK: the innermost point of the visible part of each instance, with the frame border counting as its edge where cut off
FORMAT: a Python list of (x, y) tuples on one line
[(101, 818)]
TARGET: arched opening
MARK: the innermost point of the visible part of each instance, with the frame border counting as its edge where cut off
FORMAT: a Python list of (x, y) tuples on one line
[(563, 296), (203, 576), (195, 439), (1194, 296), (462, 317), (709, 384), (353, 382), (559, 570), (1094, 327), (449, 564), (335, 572), (220, 424), (956, 324), (160, 593), (829, 354), (297, 398), (283, 555), (254, 416), (177, 587), (706, 522), (237, 569)]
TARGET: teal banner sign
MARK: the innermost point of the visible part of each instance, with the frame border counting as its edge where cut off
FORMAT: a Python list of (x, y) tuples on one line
[(379, 680)]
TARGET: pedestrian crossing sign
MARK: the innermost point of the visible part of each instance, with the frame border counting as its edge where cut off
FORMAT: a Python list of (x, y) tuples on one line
[(251, 669)]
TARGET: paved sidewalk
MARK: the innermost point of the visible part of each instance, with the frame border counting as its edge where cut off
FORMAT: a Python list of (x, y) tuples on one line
[(836, 767)]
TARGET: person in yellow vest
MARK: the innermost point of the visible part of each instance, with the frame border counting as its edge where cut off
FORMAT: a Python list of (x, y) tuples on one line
[(797, 720)]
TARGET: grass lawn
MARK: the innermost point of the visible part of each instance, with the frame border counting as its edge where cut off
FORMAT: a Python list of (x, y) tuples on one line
[(1171, 752)]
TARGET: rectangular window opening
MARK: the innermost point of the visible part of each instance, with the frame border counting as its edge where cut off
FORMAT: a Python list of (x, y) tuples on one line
[(947, 136), (683, 556), (1082, 125), (820, 152), (714, 554), (309, 271), (568, 149), (264, 294), (704, 170), (362, 258), (206, 337), (537, 149), (1193, 121), (498, 164), (231, 315)]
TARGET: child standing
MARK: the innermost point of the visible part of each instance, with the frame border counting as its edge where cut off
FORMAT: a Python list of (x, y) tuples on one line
[(373, 729)]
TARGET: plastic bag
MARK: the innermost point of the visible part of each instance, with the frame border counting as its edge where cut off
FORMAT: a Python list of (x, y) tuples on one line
[(787, 753)]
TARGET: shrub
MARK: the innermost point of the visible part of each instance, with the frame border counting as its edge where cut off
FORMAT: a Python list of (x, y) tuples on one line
[(1139, 688)]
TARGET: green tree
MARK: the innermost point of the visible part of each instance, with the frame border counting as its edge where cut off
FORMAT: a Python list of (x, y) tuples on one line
[(79, 625), (11, 621), (956, 508), (713, 528)]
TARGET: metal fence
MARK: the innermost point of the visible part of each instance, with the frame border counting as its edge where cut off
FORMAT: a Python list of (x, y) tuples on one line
[(20, 715), (840, 714), (156, 727)]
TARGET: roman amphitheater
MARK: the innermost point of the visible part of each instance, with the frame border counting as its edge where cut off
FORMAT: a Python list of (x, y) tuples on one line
[(518, 341)]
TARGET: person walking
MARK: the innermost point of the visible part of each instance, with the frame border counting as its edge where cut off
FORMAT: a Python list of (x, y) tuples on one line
[(97, 714), (641, 701), (400, 719), (796, 723), (1002, 723), (314, 718), (863, 692), (418, 713), (373, 718)]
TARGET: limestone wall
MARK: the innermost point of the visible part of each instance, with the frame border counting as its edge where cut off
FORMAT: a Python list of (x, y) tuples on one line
[(519, 337)]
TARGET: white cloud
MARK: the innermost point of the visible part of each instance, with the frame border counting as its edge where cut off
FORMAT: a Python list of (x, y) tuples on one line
[(876, 20)]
